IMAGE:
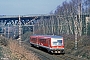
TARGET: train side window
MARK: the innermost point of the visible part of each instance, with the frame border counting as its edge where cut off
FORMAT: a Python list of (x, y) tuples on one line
[(43, 40), (33, 38)]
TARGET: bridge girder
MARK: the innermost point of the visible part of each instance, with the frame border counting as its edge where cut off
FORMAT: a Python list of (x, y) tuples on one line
[(24, 20)]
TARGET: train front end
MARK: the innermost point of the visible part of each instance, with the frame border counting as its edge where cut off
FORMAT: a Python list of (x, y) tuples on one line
[(57, 44)]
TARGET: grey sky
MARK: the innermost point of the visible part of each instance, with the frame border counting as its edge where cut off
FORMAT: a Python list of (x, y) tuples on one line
[(24, 7)]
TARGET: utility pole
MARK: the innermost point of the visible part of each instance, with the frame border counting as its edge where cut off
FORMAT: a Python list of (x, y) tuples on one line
[(20, 30), (78, 24), (79, 16), (86, 24), (76, 32), (52, 24), (8, 31)]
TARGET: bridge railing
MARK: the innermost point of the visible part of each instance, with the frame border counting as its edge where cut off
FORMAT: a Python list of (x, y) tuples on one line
[(29, 15)]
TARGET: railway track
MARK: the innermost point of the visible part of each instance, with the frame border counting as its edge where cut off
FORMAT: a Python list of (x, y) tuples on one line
[(43, 55), (39, 54)]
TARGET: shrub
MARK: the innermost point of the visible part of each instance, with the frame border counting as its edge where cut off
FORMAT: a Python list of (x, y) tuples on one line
[(3, 41)]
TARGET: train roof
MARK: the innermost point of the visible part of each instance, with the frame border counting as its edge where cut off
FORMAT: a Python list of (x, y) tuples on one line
[(48, 36)]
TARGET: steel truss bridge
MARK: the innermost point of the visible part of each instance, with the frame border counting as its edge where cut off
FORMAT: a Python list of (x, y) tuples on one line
[(14, 23), (24, 19)]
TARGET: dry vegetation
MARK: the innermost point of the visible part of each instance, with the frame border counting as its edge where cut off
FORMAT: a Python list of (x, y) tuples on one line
[(20, 52), (83, 50), (13, 51)]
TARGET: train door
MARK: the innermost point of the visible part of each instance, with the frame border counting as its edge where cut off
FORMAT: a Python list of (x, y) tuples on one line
[(49, 45), (49, 42)]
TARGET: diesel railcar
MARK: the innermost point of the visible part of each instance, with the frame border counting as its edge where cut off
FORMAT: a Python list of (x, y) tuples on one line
[(53, 44)]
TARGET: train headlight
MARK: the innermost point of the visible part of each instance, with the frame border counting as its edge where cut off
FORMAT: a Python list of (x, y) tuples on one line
[(58, 51), (55, 51)]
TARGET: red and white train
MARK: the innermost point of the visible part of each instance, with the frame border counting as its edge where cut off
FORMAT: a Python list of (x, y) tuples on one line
[(53, 44)]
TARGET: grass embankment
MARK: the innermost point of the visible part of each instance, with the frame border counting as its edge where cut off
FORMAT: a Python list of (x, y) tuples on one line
[(11, 50), (83, 48)]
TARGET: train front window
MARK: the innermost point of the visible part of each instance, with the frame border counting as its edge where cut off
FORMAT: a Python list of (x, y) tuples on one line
[(54, 43), (58, 42)]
